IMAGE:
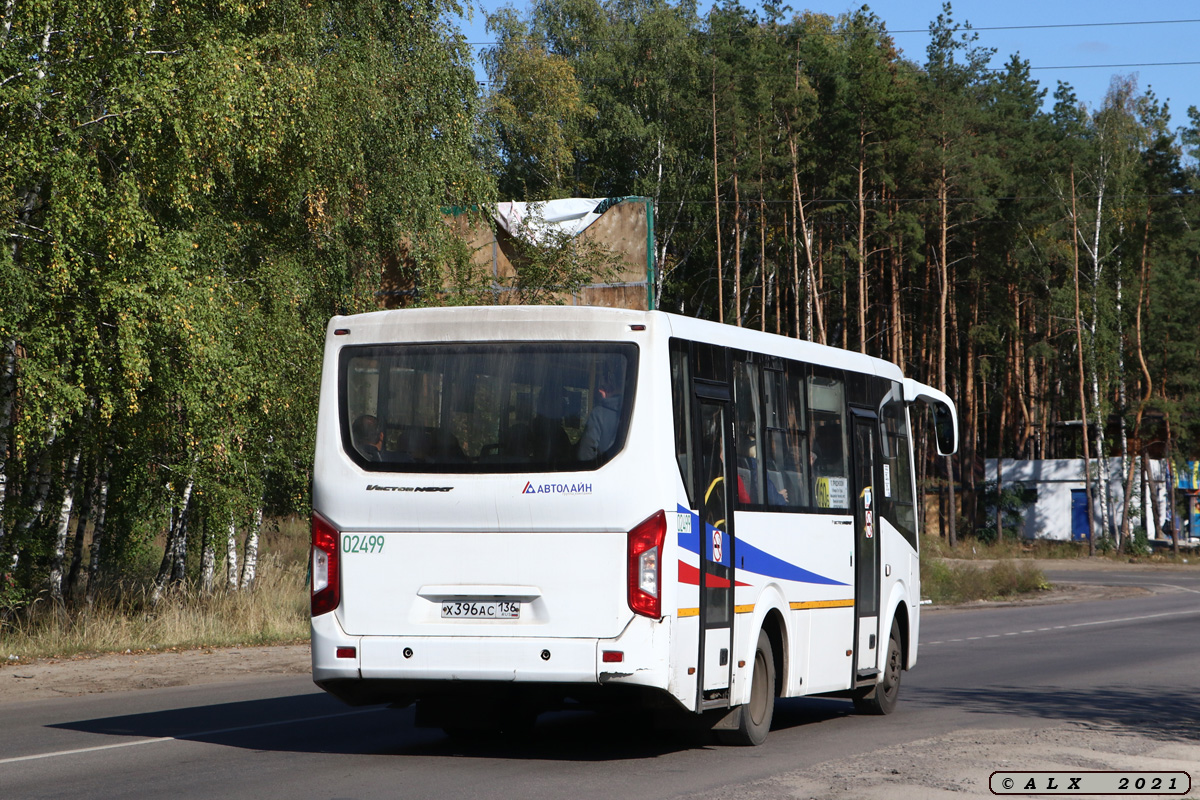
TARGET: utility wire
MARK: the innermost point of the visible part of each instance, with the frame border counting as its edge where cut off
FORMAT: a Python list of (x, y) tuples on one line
[(798, 34)]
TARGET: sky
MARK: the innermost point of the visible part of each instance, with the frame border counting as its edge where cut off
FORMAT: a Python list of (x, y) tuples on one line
[(1154, 41)]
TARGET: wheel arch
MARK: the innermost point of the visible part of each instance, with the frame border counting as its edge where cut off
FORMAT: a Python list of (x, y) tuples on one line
[(769, 616), (898, 603), (776, 629), (900, 620)]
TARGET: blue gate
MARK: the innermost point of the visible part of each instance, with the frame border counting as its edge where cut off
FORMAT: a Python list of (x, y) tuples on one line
[(1079, 515)]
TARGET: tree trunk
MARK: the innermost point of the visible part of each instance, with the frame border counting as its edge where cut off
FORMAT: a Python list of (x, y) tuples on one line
[(1097, 400), (208, 558), (969, 409), (60, 533), (1087, 472), (861, 255), (250, 566), (1171, 493), (898, 354), (168, 569), (179, 555), (99, 540), (40, 494), (7, 381), (231, 556), (1147, 390), (81, 523), (813, 314), (1000, 449), (737, 241), (943, 302), (716, 201), (762, 232)]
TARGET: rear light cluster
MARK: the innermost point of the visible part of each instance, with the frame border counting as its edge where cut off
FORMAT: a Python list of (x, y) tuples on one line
[(326, 577), (645, 562)]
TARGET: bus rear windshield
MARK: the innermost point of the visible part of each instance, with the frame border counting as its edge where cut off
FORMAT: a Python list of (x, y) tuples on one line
[(481, 408)]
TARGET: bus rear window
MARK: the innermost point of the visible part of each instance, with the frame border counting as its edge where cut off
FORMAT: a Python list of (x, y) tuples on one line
[(480, 408)]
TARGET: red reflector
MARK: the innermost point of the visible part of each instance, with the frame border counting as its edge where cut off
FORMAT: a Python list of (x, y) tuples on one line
[(637, 327), (341, 331), (612, 656), (347, 652)]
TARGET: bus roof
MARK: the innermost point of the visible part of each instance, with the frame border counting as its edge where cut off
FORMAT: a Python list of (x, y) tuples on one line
[(447, 324)]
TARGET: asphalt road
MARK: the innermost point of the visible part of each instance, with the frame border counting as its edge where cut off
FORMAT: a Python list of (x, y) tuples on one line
[(1130, 662)]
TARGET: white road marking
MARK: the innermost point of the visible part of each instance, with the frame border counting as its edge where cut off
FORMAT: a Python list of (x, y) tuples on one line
[(181, 736), (1064, 627)]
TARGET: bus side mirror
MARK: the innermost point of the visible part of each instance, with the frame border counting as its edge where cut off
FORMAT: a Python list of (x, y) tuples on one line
[(945, 418), (945, 429)]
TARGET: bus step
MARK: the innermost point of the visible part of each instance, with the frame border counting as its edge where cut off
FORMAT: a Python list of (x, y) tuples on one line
[(866, 674), (709, 705)]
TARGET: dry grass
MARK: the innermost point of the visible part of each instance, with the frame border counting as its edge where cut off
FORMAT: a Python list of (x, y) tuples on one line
[(275, 611), (969, 548), (948, 582)]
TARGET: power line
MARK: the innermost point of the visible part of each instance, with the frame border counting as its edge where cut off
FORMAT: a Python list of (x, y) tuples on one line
[(1031, 68), (1121, 66), (964, 29), (824, 201), (1063, 25)]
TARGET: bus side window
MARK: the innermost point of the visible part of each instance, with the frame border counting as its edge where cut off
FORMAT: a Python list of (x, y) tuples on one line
[(786, 484), (681, 408), (897, 461), (827, 442), (746, 423)]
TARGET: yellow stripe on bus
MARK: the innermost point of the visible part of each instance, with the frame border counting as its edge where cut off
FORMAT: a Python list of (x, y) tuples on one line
[(746, 609), (823, 604)]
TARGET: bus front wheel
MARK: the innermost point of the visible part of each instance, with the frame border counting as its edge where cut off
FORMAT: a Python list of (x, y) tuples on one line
[(881, 699)]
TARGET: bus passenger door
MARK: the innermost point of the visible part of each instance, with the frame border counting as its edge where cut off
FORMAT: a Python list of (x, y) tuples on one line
[(866, 547), (717, 500)]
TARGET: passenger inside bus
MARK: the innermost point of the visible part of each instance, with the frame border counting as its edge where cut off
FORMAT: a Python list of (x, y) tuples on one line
[(748, 472), (367, 436), (601, 430)]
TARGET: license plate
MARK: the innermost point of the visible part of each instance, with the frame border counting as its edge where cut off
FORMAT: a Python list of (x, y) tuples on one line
[(502, 609)]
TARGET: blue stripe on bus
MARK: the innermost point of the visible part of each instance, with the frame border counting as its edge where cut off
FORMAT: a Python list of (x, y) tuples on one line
[(752, 559)]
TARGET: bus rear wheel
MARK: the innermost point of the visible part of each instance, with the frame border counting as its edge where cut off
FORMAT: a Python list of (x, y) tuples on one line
[(756, 716), (881, 699)]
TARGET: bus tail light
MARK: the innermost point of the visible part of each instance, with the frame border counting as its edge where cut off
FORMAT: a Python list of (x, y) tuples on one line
[(326, 579), (645, 561)]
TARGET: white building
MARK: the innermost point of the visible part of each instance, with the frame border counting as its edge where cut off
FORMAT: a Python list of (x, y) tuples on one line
[(1058, 494)]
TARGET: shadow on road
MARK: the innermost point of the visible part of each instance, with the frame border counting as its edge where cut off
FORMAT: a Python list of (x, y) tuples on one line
[(1154, 711), (314, 723)]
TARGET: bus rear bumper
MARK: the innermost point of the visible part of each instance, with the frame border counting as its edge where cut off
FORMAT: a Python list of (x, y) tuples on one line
[(492, 659), (387, 666)]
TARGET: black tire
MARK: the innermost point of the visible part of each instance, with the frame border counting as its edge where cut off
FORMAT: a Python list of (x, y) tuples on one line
[(881, 699), (756, 717)]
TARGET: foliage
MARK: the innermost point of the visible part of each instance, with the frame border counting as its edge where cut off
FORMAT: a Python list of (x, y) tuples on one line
[(1013, 501), (535, 110), (811, 179), (190, 191)]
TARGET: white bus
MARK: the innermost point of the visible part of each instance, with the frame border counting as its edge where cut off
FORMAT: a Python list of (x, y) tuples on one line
[(517, 509)]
